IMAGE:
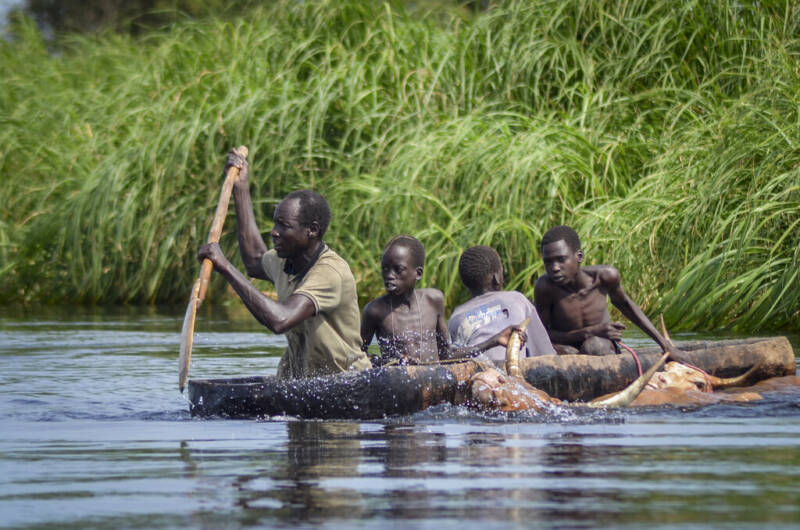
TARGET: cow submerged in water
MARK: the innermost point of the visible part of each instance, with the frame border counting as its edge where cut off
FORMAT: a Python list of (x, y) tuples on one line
[(677, 384)]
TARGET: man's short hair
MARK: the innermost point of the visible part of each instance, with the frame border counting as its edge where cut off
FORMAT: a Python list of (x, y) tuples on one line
[(565, 233), (313, 207), (413, 245), (476, 264)]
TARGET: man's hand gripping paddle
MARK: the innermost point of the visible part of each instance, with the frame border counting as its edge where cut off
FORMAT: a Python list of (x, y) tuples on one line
[(201, 285)]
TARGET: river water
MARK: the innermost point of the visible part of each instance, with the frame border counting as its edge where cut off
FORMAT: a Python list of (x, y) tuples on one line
[(94, 434)]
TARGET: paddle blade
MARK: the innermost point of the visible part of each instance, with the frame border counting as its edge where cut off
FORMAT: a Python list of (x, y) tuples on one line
[(187, 337)]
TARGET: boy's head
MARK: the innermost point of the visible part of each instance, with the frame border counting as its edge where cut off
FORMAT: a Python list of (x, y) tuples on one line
[(402, 264), (562, 254), (480, 269), (562, 233)]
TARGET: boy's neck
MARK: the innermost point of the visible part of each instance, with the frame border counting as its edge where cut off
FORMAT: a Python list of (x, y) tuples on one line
[(491, 285), (402, 298), (482, 291), (580, 281)]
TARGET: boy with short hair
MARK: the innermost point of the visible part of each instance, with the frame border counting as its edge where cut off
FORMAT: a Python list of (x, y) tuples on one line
[(409, 323), (492, 309), (571, 300)]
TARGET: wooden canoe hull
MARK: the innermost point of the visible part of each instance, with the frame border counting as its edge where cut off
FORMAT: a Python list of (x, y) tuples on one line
[(399, 390), (583, 377), (375, 393)]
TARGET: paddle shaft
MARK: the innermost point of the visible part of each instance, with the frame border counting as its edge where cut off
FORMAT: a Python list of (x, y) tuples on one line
[(216, 224), (200, 287)]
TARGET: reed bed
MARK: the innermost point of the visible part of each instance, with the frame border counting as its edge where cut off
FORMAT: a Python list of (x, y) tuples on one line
[(665, 132)]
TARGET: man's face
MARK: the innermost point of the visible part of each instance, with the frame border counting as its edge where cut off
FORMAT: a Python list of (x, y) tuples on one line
[(561, 263), (398, 270), (289, 237)]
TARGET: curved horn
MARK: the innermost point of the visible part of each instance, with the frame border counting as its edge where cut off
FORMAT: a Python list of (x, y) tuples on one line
[(664, 331), (626, 397), (739, 380), (513, 348)]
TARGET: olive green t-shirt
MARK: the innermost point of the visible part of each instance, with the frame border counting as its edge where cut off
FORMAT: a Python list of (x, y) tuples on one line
[(330, 340)]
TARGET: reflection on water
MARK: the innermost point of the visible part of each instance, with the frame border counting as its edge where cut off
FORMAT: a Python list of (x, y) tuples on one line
[(295, 489), (93, 433)]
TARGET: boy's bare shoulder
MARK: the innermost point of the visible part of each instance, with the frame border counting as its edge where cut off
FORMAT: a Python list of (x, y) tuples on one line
[(377, 309), (543, 284), (431, 295), (608, 275)]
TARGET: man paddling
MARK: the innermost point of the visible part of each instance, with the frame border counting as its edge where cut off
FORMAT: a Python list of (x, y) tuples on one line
[(317, 306), (572, 300)]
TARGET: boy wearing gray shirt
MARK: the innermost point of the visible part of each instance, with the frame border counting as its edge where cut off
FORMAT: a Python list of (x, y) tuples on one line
[(491, 309)]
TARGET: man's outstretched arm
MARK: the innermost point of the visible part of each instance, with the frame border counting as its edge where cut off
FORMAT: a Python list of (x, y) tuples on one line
[(279, 317)]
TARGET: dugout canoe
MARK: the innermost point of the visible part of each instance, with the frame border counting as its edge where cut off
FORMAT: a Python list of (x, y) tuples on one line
[(400, 390)]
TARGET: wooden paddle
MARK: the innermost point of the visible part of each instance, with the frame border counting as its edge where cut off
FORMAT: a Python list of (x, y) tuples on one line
[(201, 285)]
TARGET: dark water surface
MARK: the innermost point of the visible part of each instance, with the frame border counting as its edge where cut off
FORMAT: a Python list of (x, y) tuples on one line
[(94, 434)]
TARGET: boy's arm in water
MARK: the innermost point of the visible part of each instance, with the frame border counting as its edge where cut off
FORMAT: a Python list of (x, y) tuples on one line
[(633, 312), (251, 244), (279, 317)]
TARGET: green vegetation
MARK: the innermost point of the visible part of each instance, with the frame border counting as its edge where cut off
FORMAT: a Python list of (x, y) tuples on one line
[(123, 16), (666, 132)]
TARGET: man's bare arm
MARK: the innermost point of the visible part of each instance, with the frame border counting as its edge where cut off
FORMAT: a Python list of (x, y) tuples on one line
[(251, 245), (279, 317)]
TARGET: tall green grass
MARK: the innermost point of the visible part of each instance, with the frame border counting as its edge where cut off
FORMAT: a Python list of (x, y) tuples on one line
[(665, 132)]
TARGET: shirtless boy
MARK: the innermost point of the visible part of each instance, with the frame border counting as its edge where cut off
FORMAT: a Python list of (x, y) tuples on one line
[(409, 323), (571, 300), (491, 309)]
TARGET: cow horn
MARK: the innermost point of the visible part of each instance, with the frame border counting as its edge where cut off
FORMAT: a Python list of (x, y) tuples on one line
[(513, 348), (626, 396), (739, 380), (664, 331)]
